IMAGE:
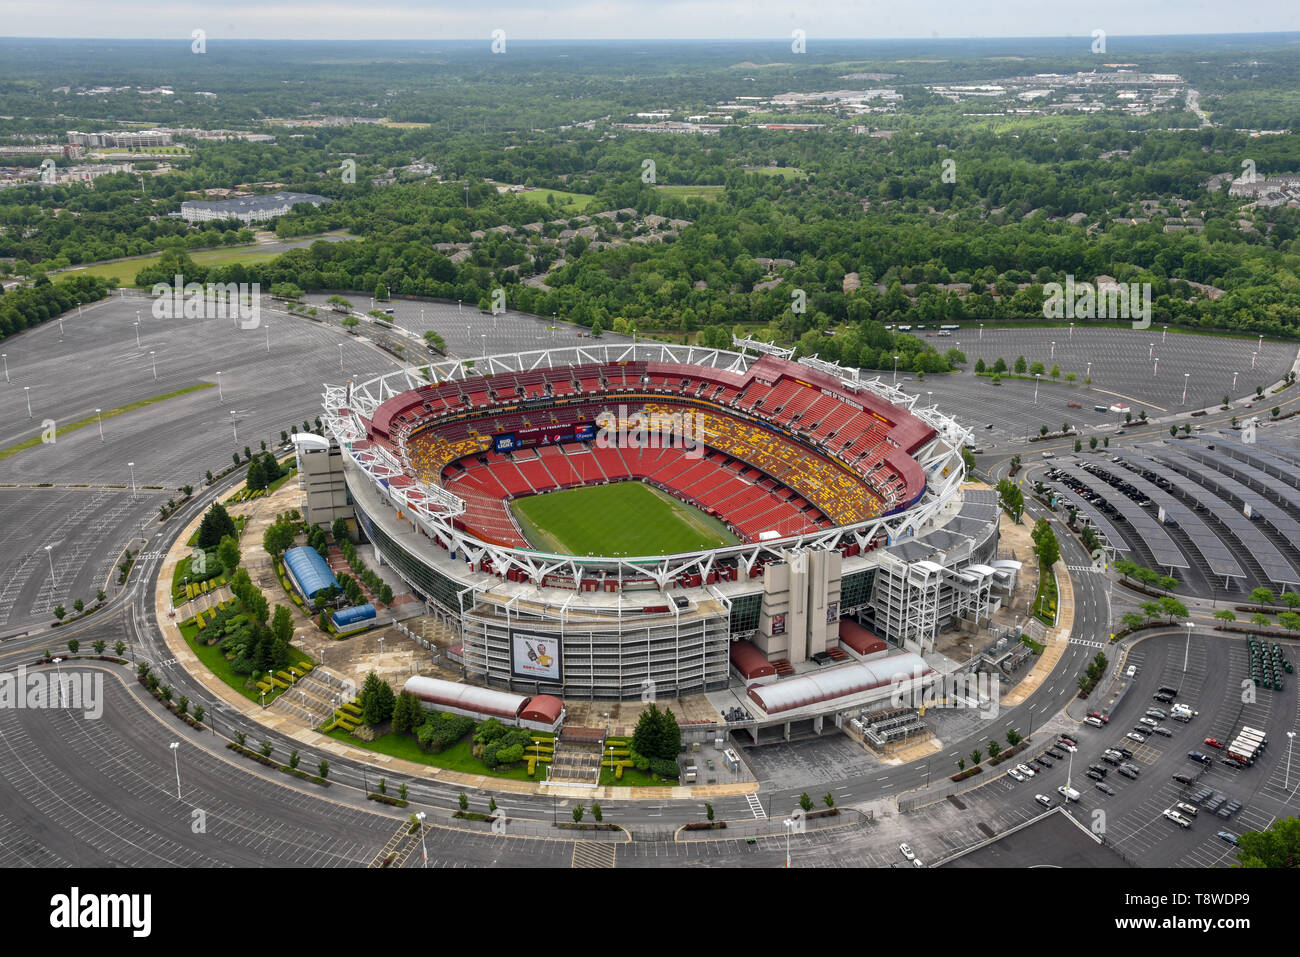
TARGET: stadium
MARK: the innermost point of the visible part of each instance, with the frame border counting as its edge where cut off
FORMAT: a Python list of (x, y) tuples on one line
[(599, 520)]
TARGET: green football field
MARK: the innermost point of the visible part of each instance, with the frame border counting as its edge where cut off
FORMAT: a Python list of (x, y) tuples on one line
[(625, 518)]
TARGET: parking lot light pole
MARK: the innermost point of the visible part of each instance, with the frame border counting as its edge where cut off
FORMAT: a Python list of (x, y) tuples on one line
[(419, 816), (1037, 379), (1155, 367), (1188, 648), (895, 370), (1290, 735), (1186, 376), (131, 466), (175, 746), (57, 668), (789, 826), (1234, 379), (154, 361), (100, 420), (27, 391), (221, 396)]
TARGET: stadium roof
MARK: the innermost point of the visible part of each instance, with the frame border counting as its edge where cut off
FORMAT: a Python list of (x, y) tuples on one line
[(309, 570), (834, 683), (249, 204)]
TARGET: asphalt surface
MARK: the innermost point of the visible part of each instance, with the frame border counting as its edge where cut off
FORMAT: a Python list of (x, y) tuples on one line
[(121, 760)]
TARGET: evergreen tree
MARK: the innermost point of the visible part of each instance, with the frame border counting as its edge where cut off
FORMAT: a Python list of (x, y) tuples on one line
[(216, 525), (377, 700)]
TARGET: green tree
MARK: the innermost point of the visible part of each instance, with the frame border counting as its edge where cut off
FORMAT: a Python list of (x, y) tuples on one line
[(464, 801), (216, 525), (60, 612), (577, 814), (708, 810), (377, 700), (73, 643), (829, 799), (1277, 847), (1262, 596), (805, 801), (99, 644), (596, 812), (994, 749), (1021, 365), (228, 553), (293, 758)]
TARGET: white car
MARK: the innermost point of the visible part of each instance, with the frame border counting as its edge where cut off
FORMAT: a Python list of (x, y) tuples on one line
[(917, 863), (1135, 736), (1066, 747), (1149, 722), (1043, 799), (1013, 773), (1177, 818), (1025, 769), (907, 852)]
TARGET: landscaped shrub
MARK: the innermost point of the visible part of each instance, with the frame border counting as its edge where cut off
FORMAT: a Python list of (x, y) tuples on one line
[(665, 768)]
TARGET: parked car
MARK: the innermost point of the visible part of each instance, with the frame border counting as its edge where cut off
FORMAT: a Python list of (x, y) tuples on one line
[(1142, 729), (1214, 742), (1200, 757), (1161, 730), (1043, 799), (916, 862), (1124, 751), (1059, 755), (1042, 762), (1177, 818), (1070, 794), (1067, 739), (1128, 771), (1136, 737), (1099, 716), (1229, 837), (1098, 768), (1165, 689), (1095, 775), (907, 852), (1111, 759), (1025, 769), (1149, 722), (1016, 775), (1156, 713), (1105, 788), (1095, 722), (1067, 747), (1183, 778), (1164, 698)]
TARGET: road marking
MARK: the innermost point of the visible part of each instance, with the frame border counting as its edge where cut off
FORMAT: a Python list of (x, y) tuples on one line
[(593, 854), (756, 806)]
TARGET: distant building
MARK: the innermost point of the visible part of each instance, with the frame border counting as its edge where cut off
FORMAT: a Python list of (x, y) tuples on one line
[(120, 140), (247, 209)]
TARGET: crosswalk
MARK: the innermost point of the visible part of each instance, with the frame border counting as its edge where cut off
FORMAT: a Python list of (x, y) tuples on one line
[(1088, 642), (756, 806), (593, 854)]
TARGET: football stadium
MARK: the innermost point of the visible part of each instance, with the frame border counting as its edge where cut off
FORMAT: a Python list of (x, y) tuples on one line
[(599, 520)]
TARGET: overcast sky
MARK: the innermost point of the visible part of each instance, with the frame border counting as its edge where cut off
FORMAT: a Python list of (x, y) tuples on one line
[(640, 19)]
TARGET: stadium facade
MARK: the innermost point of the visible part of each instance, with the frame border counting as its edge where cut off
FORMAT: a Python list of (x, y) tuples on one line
[(846, 498)]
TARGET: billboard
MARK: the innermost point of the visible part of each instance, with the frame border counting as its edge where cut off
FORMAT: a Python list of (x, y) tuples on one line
[(535, 655), (505, 443), (584, 431)]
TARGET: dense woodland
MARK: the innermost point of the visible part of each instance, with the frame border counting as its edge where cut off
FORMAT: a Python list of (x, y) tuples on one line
[(852, 204)]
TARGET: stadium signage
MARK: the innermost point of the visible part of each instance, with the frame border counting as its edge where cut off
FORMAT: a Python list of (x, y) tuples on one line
[(836, 395), (535, 655)]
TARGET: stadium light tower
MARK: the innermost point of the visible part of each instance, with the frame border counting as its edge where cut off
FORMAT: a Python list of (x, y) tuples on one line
[(895, 370)]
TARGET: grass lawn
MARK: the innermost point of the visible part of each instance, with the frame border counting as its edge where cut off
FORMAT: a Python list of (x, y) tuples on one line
[(107, 414), (125, 270), (216, 662), (785, 172), (565, 202), (687, 192), (625, 518), (1046, 597), (459, 758)]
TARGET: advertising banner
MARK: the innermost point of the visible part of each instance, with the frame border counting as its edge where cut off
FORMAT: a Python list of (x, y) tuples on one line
[(534, 655)]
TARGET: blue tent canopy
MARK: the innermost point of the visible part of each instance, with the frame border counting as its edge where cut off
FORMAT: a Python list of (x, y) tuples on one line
[(309, 570), (350, 616)]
